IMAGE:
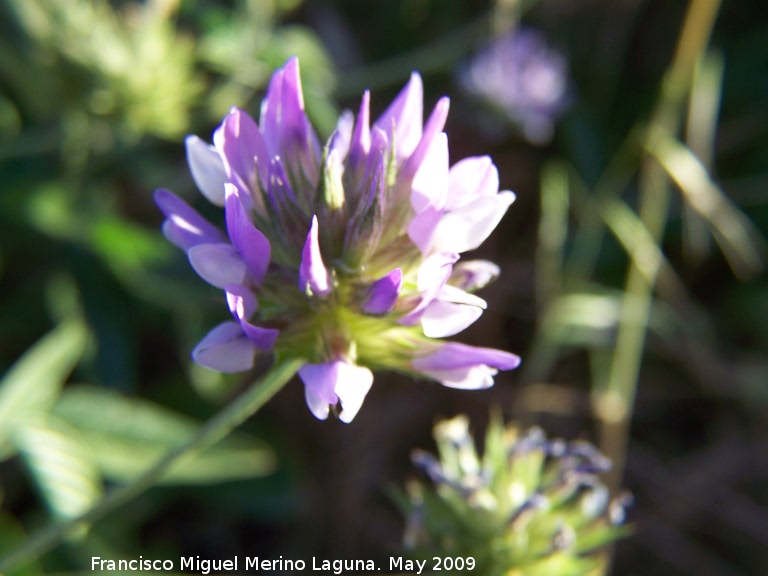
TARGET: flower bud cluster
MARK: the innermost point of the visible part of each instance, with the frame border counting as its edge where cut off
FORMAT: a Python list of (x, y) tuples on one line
[(528, 506)]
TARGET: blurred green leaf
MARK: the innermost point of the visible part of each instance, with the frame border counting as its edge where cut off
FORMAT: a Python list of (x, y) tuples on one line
[(128, 435), (52, 210), (122, 243), (12, 535), (60, 465), (34, 382), (553, 231), (130, 64), (582, 318), (10, 121)]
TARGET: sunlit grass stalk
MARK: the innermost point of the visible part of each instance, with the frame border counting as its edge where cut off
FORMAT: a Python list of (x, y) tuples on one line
[(705, 100), (218, 427), (553, 232), (614, 406), (617, 176)]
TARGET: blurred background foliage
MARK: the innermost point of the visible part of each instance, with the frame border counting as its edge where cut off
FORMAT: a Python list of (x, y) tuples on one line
[(633, 270)]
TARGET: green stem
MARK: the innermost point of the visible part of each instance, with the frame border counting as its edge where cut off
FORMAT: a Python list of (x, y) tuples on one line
[(234, 414)]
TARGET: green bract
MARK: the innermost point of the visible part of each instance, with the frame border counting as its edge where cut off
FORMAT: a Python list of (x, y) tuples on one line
[(527, 507)]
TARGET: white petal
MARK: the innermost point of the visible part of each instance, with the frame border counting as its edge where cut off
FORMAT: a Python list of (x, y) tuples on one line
[(469, 179), (470, 378), (207, 169), (456, 295), (435, 271), (442, 319), (317, 405), (313, 275), (241, 301), (468, 227), (351, 388), (422, 228), (432, 276), (218, 264), (430, 184)]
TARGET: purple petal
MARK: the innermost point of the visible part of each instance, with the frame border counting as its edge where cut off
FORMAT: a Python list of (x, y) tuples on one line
[(263, 338), (454, 355), (405, 115), (360, 145), (218, 264), (473, 275), (317, 405), (225, 349), (279, 191), (433, 127), (335, 381), (382, 295), (340, 140), (377, 159), (313, 275), (241, 301), (184, 226), (207, 169), (321, 379), (253, 246), (270, 112), (469, 179), (285, 125), (243, 150), (466, 367), (433, 274), (283, 107)]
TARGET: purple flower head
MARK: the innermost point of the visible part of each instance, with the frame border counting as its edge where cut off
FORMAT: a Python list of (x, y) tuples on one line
[(521, 75), (347, 254)]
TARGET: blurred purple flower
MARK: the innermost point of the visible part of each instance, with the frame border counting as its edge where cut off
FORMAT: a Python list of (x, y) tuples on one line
[(342, 255), (521, 75)]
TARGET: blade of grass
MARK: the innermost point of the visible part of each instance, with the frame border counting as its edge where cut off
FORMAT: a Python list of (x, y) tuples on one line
[(701, 129), (615, 405), (738, 238), (553, 230)]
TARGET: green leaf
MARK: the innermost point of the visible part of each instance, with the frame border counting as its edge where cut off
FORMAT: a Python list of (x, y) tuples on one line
[(125, 244), (60, 466), (34, 382), (128, 435), (12, 535)]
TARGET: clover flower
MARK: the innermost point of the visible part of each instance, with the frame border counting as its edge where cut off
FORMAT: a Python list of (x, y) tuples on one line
[(345, 255), (529, 506), (523, 77)]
